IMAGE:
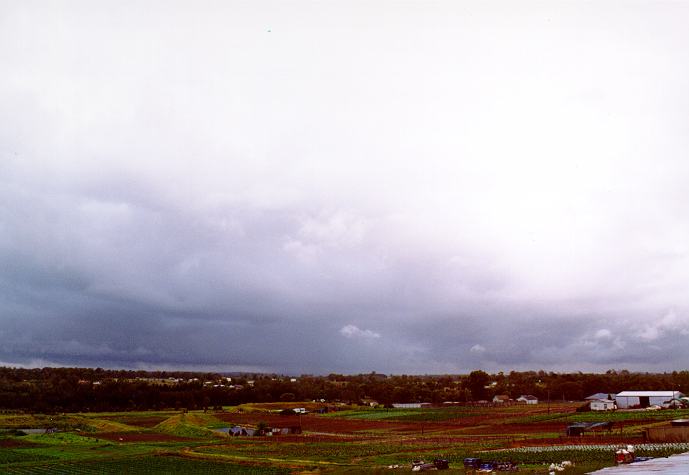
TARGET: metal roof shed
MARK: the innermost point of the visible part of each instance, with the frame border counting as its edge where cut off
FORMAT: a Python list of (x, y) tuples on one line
[(627, 399)]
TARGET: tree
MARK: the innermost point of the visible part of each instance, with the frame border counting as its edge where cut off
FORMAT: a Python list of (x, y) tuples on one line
[(476, 383)]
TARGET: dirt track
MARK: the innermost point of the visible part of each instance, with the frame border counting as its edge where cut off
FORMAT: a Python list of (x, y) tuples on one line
[(138, 437), (143, 421)]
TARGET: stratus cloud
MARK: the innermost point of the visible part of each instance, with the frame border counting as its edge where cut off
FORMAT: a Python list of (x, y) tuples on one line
[(477, 349), (352, 331)]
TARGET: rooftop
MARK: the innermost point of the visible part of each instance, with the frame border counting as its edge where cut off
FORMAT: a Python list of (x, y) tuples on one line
[(674, 465), (598, 396), (648, 394)]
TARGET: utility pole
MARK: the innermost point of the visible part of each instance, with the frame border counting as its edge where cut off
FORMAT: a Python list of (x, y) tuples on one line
[(548, 400)]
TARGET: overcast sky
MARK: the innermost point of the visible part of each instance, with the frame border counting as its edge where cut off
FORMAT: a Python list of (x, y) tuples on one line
[(345, 186)]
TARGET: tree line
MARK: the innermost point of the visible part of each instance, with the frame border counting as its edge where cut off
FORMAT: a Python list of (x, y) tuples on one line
[(49, 390)]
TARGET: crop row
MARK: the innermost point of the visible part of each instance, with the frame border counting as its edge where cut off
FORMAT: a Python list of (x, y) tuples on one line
[(581, 453), (681, 446), (603, 416), (148, 465), (327, 451), (8, 456)]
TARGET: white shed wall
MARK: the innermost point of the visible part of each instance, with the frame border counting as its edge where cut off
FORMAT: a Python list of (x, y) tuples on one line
[(626, 401), (602, 405)]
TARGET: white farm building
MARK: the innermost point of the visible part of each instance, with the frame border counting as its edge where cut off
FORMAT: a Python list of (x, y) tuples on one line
[(603, 405), (627, 399)]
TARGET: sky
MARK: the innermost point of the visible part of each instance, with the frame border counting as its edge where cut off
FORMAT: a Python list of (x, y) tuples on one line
[(344, 186)]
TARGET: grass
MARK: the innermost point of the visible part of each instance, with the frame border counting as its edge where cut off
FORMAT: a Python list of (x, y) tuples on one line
[(188, 425)]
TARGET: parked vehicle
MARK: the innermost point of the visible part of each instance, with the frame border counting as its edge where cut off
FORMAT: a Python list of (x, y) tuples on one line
[(481, 466), (437, 464)]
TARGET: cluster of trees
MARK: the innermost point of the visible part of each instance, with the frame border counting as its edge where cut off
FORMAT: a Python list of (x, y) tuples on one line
[(79, 389)]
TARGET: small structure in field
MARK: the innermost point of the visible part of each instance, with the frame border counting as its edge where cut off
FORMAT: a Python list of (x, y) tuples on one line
[(580, 428), (369, 402), (528, 399), (501, 399), (411, 405)]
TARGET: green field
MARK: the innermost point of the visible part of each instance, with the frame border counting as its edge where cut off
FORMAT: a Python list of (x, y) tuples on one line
[(349, 441)]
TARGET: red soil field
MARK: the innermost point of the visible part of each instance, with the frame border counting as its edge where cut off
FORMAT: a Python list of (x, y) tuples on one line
[(317, 424), (483, 428), (17, 444), (478, 425)]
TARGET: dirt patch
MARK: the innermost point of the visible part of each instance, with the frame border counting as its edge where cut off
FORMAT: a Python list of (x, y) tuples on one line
[(139, 437)]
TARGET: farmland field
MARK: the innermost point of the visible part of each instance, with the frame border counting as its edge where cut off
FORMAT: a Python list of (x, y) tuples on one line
[(352, 440)]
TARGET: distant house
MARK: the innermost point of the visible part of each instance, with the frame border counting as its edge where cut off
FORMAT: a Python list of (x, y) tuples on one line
[(603, 405), (501, 398), (643, 399), (528, 399), (369, 402)]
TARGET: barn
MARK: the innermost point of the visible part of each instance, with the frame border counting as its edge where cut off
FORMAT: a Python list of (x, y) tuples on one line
[(631, 399)]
